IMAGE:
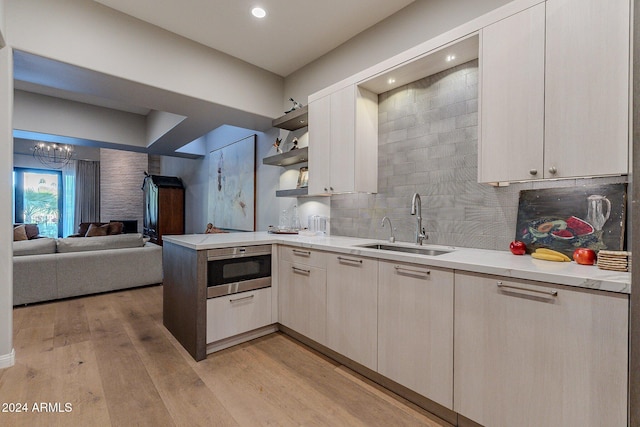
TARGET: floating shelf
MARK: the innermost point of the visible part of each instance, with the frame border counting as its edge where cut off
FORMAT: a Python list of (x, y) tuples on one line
[(293, 120), (295, 192), (299, 155)]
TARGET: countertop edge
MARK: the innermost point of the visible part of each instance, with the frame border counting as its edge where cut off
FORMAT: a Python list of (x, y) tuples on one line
[(499, 263)]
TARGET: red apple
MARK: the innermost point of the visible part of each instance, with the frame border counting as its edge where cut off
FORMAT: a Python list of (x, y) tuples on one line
[(584, 256), (517, 247)]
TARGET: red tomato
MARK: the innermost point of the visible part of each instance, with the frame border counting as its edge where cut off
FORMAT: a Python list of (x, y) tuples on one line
[(584, 256), (517, 247)]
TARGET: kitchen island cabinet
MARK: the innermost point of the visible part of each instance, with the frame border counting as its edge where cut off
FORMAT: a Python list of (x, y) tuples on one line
[(352, 308), (236, 314), (415, 329), (536, 354)]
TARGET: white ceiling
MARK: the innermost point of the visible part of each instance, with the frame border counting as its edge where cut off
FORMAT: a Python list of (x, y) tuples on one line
[(293, 34)]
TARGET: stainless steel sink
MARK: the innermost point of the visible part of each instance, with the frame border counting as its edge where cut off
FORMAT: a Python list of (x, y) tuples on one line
[(412, 250)]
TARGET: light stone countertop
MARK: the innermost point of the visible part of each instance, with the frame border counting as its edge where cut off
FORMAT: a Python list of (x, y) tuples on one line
[(500, 263)]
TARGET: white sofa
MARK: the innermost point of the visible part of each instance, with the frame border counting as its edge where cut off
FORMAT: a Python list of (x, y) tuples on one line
[(47, 269)]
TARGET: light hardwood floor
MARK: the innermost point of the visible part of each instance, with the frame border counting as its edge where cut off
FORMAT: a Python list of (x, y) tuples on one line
[(110, 357)]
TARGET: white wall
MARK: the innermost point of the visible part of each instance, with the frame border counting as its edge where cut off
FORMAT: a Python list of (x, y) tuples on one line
[(195, 175), (6, 238), (3, 23), (55, 116), (420, 21), (93, 36)]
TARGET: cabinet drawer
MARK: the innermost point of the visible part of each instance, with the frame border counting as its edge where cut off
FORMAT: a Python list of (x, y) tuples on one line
[(238, 313), (303, 256), (303, 299)]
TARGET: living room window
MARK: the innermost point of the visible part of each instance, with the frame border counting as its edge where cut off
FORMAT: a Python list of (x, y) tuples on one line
[(39, 199)]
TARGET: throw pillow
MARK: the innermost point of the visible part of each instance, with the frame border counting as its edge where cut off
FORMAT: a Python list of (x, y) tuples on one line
[(97, 230), (32, 230), (20, 233), (83, 227), (115, 228)]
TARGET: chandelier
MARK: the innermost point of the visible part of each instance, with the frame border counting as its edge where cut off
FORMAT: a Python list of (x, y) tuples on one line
[(53, 155)]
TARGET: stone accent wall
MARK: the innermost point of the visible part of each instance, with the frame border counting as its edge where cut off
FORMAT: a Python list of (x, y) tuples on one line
[(121, 176), (428, 144)]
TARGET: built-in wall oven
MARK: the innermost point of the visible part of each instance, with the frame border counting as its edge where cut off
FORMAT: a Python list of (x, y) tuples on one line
[(238, 269)]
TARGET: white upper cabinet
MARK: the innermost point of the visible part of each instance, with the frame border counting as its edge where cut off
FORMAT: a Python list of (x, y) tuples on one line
[(587, 87), (512, 98), (343, 142), (554, 93)]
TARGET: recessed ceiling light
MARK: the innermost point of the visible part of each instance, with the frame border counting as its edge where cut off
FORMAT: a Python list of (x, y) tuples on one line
[(391, 80), (258, 12), (450, 58)]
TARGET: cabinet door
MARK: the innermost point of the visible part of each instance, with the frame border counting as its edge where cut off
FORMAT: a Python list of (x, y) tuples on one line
[(512, 98), (415, 329), (525, 356), (238, 313), (319, 145), (303, 299), (342, 152), (587, 87), (352, 305)]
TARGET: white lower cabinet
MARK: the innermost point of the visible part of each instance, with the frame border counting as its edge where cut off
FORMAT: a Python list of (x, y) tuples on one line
[(415, 329), (352, 307), (535, 354), (303, 299), (238, 313)]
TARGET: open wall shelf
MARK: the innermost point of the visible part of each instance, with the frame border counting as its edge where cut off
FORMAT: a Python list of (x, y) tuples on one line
[(299, 155), (295, 192), (293, 120)]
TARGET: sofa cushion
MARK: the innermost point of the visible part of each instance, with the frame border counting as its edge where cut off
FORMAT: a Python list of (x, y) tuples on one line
[(97, 230), (45, 245), (98, 243), (20, 233)]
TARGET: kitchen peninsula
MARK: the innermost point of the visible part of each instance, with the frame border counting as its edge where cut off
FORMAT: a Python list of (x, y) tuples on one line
[(524, 329)]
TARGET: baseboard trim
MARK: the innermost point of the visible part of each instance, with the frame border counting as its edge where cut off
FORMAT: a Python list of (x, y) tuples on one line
[(239, 339), (8, 360)]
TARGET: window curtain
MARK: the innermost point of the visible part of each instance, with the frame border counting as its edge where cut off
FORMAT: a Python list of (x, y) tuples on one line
[(69, 199), (87, 191)]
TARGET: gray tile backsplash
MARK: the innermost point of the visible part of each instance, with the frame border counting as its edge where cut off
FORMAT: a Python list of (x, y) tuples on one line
[(427, 142)]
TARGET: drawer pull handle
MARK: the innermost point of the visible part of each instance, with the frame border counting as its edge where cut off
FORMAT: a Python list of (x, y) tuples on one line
[(400, 270), (301, 253), (537, 291), (300, 270), (243, 298), (343, 259)]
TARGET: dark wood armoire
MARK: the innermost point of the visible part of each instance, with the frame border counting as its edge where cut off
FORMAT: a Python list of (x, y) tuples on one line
[(163, 206)]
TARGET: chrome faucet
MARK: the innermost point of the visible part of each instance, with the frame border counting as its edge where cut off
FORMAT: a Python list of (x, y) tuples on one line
[(392, 238), (416, 209)]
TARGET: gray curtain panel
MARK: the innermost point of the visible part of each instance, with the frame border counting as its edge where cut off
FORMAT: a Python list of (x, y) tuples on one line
[(87, 191)]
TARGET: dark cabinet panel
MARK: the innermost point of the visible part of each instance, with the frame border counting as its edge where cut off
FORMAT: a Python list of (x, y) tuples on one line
[(164, 206)]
